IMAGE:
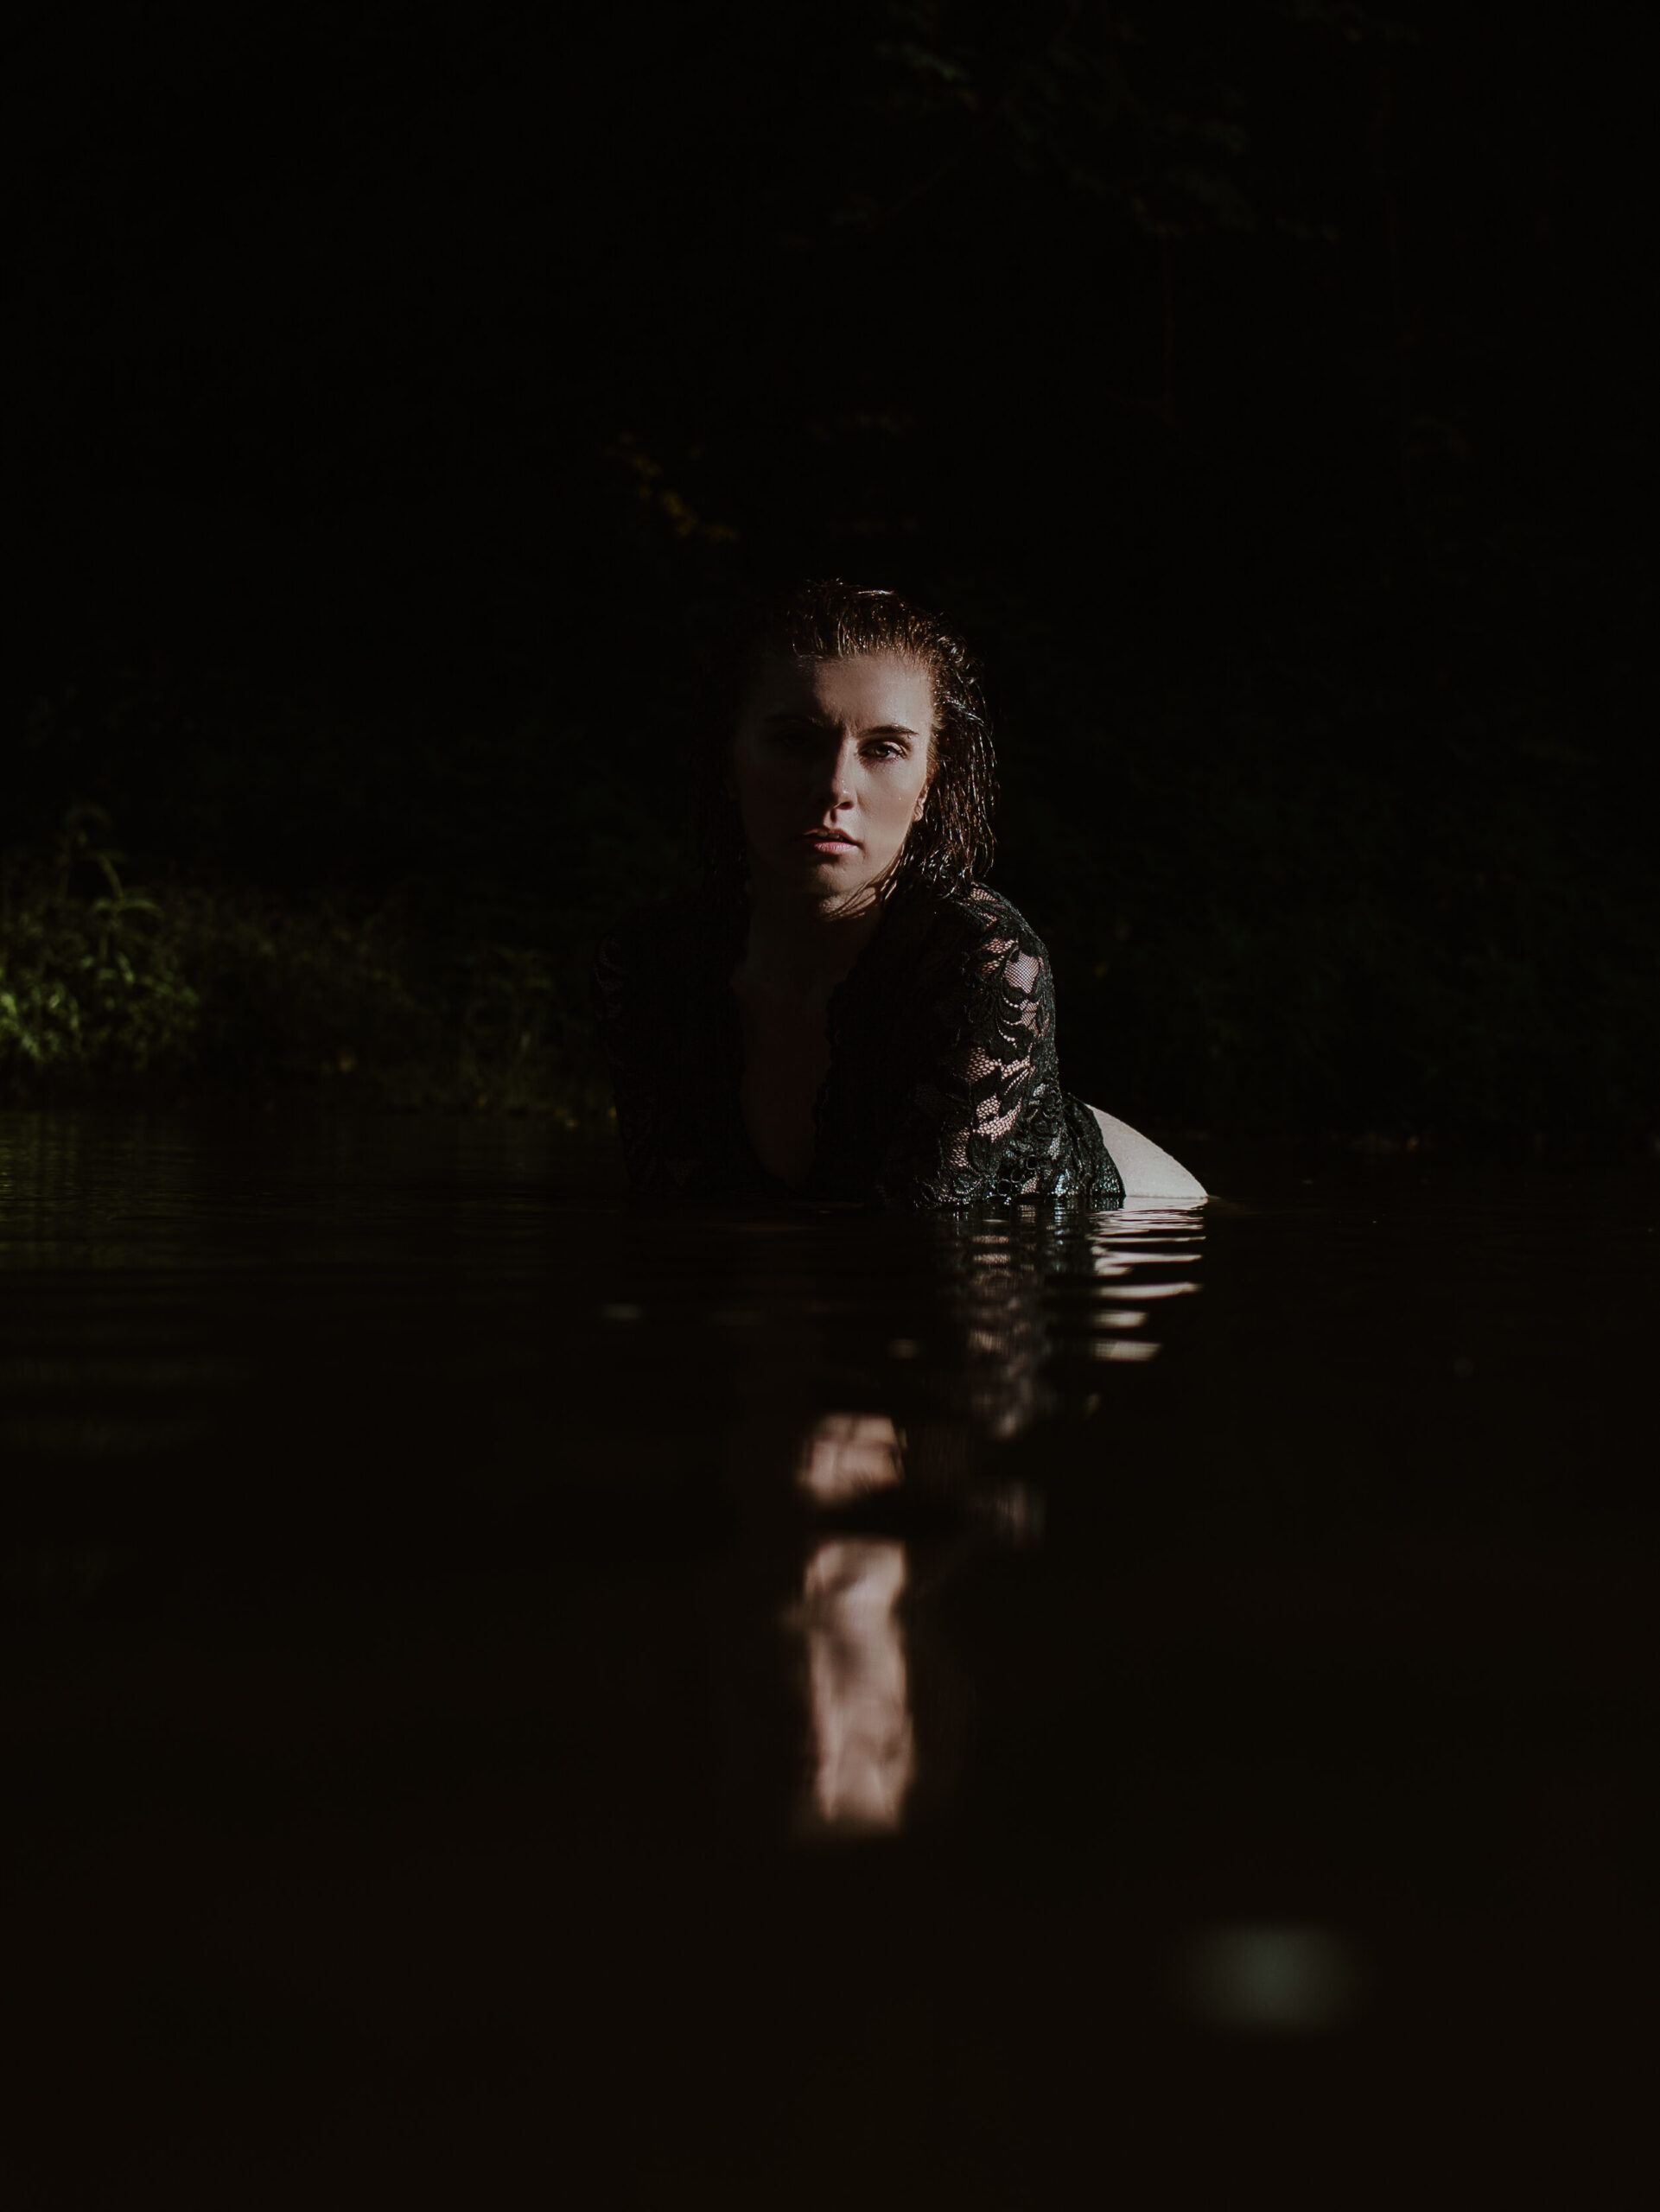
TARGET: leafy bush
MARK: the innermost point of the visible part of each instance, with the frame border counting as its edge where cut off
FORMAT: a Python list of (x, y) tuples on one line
[(90, 987), (107, 990)]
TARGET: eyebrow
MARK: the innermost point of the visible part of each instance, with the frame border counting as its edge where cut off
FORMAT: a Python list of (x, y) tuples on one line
[(800, 715)]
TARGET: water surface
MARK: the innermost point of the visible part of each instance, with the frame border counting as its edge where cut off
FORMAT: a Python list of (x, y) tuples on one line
[(509, 1693)]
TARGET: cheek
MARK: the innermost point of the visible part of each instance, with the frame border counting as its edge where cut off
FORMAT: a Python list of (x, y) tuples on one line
[(910, 796), (897, 810)]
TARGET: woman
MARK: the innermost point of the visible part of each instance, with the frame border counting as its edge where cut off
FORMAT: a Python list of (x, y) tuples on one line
[(845, 1012)]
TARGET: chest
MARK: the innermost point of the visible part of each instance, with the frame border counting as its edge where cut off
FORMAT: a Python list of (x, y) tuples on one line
[(785, 1059)]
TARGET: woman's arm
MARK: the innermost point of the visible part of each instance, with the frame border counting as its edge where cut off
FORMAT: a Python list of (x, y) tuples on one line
[(985, 1070), (984, 1116)]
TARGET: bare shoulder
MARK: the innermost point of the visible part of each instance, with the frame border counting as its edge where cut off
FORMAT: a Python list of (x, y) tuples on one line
[(1147, 1169)]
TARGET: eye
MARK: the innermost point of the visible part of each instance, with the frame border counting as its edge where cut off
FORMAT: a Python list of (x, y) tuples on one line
[(884, 748)]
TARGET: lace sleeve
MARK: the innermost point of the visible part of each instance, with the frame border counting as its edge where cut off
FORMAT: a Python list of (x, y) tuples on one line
[(988, 1072)]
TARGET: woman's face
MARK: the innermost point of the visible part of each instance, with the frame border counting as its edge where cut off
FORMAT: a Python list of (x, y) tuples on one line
[(829, 767)]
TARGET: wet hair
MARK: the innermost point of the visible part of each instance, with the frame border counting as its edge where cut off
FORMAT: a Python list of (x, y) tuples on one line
[(827, 619)]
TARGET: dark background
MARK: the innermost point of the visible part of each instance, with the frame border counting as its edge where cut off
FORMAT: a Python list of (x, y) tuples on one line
[(398, 392)]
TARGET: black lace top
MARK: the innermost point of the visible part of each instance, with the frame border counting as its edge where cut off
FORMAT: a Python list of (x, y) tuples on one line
[(943, 1088)]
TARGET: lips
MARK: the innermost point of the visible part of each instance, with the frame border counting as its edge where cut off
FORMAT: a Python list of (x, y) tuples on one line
[(835, 838)]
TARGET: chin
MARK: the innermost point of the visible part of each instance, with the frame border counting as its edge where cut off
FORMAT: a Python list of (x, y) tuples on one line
[(817, 874), (841, 882)]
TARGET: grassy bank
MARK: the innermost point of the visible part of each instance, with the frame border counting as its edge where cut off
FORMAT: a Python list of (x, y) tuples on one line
[(111, 989)]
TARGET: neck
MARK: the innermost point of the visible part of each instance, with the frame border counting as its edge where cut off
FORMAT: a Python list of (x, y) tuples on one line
[(806, 946)]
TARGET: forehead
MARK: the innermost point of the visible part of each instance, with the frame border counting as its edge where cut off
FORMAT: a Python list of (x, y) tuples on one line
[(859, 692)]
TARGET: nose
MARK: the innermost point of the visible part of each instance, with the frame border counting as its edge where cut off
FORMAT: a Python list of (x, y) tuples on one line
[(838, 772)]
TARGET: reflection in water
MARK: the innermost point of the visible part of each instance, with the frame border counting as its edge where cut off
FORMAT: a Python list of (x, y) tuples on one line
[(1028, 1293), (863, 1746), (173, 1301), (1024, 1296), (846, 1456)]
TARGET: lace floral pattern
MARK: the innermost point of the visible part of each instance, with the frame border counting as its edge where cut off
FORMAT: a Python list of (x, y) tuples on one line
[(944, 1088)]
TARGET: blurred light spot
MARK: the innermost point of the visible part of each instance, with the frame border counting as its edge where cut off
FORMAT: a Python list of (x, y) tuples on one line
[(1464, 1367), (904, 1348), (621, 1312), (1123, 1348), (1300, 1981)]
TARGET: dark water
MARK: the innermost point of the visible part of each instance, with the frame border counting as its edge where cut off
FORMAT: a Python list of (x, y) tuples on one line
[(510, 1699)]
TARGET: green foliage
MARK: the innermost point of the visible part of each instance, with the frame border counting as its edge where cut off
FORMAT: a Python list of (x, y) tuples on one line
[(523, 1046), (106, 992), (90, 987)]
